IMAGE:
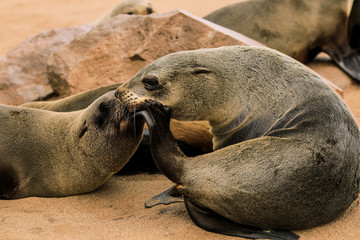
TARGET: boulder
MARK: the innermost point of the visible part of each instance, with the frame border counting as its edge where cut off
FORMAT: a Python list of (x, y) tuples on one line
[(114, 51), (66, 61), (23, 71)]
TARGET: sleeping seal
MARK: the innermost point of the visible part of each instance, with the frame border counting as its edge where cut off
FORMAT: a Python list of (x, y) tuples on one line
[(286, 145), (137, 7), (298, 28), (51, 154)]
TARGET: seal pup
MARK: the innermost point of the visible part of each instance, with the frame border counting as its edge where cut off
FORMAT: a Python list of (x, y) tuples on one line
[(51, 154), (318, 26), (138, 7), (286, 145)]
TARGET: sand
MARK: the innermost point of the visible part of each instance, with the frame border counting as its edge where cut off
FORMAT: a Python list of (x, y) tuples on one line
[(116, 210)]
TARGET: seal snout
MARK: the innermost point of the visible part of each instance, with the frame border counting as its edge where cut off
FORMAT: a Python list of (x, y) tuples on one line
[(131, 100)]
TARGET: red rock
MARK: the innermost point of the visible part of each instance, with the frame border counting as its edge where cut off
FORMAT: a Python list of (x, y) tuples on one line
[(23, 71), (114, 51)]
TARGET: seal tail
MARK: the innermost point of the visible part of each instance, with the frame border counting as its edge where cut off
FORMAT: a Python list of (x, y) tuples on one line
[(213, 222)]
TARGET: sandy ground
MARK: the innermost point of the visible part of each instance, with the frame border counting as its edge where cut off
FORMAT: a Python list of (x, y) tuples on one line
[(116, 211)]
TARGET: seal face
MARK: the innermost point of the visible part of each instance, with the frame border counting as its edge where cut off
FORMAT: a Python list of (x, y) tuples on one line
[(52, 154), (286, 145)]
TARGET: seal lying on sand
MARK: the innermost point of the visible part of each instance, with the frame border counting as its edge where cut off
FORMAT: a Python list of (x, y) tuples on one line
[(50, 154), (139, 7), (298, 28), (286, 145)]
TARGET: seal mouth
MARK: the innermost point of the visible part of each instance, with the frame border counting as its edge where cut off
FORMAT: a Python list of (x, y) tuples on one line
[(131, 101)]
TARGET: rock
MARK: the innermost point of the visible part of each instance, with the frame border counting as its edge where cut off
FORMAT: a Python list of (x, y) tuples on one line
[(23, 71), (65, 61), (114, 51)]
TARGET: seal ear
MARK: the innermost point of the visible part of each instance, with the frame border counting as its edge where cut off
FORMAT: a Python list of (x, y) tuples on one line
[(200, 70)]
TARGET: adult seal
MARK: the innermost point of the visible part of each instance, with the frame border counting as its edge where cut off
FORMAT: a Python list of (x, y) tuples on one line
[(286, 145), (52, 154), (298, 28)]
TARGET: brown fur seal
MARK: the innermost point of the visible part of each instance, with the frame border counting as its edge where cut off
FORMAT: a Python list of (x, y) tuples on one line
[(50, 154), (298, 28), (286, 145), (138, 7)]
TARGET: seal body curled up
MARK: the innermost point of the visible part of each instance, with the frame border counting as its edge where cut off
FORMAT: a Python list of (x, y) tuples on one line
[(286, 145), (51, 154)]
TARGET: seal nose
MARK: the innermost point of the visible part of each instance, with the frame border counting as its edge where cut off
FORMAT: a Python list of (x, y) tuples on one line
[(149, 10)]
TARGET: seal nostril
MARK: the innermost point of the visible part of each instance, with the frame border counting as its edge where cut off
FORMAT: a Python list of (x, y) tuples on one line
[(149, 10), (104, 107), (116, 94)]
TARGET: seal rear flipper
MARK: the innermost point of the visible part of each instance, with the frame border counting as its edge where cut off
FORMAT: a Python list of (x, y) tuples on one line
[(354, 25), (164, 198), (347, 58), (213, 222), (8, 181)]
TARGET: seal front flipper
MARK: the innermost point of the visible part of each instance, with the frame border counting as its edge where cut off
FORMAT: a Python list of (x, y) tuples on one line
[(164, 198), (213, 222)]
